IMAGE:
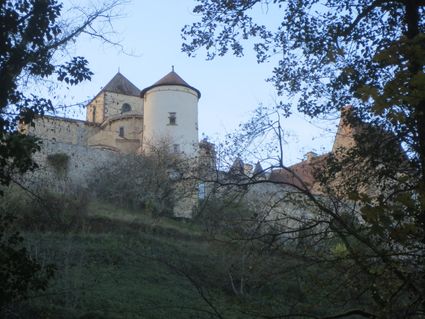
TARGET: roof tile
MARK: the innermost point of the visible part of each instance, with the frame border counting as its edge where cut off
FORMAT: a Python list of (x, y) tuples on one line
[(120, 84), (171, 78)]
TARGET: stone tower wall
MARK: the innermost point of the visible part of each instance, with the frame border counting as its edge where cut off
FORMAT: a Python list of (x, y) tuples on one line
[(95, 109), (122, 133), (109, 104)]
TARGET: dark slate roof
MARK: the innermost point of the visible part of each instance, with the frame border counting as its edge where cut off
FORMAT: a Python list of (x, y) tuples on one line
[(258, 170), (120, 84), (171, 78), (237, 167)]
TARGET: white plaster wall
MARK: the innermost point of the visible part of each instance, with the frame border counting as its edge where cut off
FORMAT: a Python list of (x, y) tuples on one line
[(159, 102)]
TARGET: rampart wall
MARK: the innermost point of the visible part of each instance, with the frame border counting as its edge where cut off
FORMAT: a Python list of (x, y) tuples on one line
[(63, 130), (65, 164)]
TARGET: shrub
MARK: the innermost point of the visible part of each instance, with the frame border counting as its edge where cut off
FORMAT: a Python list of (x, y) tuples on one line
[(220, 215), (19, 272), (61, 212), (150, 182), (47, 210), (59, 161)]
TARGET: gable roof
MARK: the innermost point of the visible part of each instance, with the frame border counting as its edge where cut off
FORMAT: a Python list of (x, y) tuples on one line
[(258, 170), (303, 172), (171, 78), (121, 85)]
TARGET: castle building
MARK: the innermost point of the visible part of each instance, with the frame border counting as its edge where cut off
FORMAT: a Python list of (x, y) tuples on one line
[(120, 119), (125, 119)]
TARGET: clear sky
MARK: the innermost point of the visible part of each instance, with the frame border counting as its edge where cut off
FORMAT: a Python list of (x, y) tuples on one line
[(231, 87)]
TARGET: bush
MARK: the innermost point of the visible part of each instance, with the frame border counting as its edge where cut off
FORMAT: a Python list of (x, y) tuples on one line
[(59, 161), (19, 272), (58, 212), (47, 210), (221, 216), (140, 182)]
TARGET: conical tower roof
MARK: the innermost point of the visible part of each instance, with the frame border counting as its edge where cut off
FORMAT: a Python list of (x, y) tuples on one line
[(171, 78), (120, 84), (237, 167), (258, 170)]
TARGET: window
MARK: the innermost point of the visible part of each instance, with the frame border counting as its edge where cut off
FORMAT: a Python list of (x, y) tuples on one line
[(176, 148), (94, 114), (172, 118), (201, 191), (121, 132), (125, 108)]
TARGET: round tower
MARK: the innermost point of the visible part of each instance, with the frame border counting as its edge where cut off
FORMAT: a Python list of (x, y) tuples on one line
[(171, 116)]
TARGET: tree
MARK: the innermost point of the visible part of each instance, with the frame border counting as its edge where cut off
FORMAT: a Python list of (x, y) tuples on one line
[(332, 53), (368, 54), (156, 182), (33, 36)]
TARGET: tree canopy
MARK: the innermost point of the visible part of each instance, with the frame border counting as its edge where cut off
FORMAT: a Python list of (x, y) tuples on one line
[(330, 53), (370, 55), (34, 35)]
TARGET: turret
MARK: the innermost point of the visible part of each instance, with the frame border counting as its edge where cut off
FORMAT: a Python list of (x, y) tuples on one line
[(117, 112), (171, 115), (119, 96)]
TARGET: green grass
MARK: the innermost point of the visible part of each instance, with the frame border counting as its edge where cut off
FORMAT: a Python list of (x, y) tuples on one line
[(105, 210), (116, 263), (116, 267)]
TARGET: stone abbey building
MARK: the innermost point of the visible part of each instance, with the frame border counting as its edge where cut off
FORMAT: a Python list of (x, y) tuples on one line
[(122, 118)]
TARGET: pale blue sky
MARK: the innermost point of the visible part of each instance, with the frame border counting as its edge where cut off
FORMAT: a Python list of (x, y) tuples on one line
[(231, 87)]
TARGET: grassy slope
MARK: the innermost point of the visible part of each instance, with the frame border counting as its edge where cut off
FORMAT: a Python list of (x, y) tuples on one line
[(115, 263), (110, 269)]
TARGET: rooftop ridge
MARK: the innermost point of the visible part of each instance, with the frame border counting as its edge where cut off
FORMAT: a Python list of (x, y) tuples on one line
[(171, 78), (121, 85)]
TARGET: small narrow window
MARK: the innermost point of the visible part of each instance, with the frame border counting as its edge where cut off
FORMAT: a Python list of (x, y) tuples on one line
[(201, 191), (121, 132), (172, 118), (94, 114), (125, 108), (176, 148)]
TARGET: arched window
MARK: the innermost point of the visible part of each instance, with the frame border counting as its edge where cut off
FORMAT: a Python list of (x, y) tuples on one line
[(125, 108)]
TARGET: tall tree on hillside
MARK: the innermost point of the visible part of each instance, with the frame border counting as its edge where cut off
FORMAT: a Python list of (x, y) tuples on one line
[(34, 37), (332, 53), (34, 34), (369, 54)]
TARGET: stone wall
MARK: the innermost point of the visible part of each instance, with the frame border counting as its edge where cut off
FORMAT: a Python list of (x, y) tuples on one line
[(115, 101), (122, 132), (95, 109), (63, 166), (62, 130), (108, 104)]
